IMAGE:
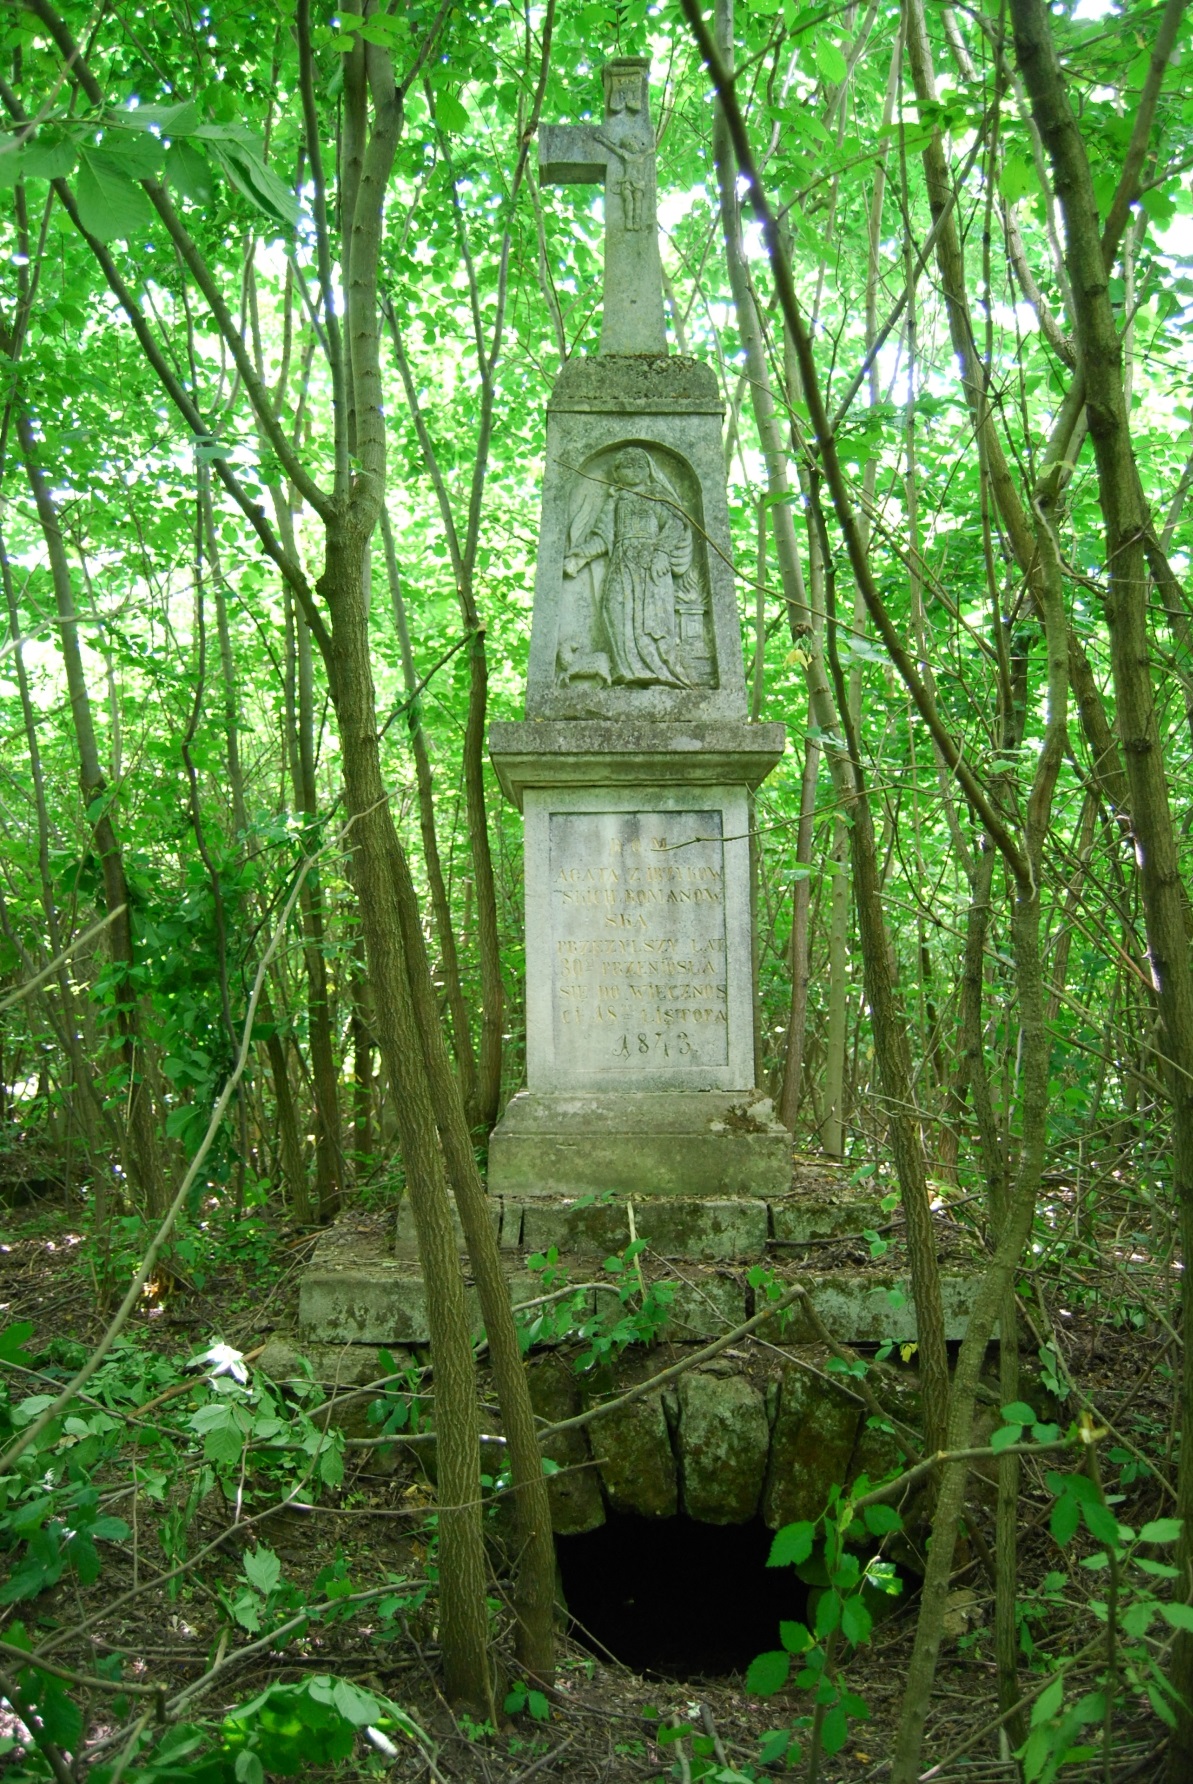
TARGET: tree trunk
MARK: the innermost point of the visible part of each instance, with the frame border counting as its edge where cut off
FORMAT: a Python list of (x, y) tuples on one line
[(488, 1080), (464, 1635), (440, 905), (832, 1128), (143, 1160), (791, 1088), (329, 1145)]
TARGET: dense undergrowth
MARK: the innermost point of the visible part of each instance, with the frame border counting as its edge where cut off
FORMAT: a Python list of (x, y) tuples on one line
[(205, 1579)]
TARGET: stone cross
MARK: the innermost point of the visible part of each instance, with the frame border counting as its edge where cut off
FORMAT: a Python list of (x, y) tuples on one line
[(619, 153)]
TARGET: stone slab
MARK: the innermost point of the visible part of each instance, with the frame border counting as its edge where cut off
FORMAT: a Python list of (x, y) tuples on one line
[(574, 1495), (672, 1227), (406, 1237), (876, 1307), (704, 1308), (381, 1301), (639, 1143), (811, 1446), (800, 1220), (582, 753), (638, 957)]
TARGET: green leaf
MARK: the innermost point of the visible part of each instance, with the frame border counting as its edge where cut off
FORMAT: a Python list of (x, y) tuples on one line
[(1018, 179), (354, 1704), (1019, 1413), (60, 1717), (537, 1704), (138, 157), (792, 1544), (331, 1468), (223, 1445), (776, 1745), (256, 181), (262, 1569), (50, 156), (12, 1339), (171, 120), (1137, 1618), (1101, 1524), (450, 113), (828, 1614), (1161, 1530), (1179, 1615), (767, 1673), (187, 171), (1066, 1515), (1005, 1437), (1160, 1704), (111, 206), (830, 62), (249, 1769), (881, 1520), (834, 1730), (1048, 1703), (795, 1637), (856, 1621), (109, 1529)]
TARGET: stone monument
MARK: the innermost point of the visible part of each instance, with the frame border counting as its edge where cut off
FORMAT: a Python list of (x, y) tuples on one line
[(635, 761), (641, 1118)]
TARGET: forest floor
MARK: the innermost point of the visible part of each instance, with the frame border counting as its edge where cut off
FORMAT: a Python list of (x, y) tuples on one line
[(371, 1529)]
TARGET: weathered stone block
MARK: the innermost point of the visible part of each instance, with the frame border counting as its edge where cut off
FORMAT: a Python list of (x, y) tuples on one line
[(798, 1220), (708, 1231), (639, 1143), (637, 1466), (575, 1497), (723, 1442), (339, 1369), (406, 1238), (811, 1447), (873, 1307), (703, 1309), (381, 1301)]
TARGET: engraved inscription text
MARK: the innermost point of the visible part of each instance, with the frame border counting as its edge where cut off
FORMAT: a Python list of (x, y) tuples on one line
[(638, 941)]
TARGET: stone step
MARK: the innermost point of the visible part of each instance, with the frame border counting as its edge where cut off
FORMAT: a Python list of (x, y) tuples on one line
[(355, 1291), (705, 1229)]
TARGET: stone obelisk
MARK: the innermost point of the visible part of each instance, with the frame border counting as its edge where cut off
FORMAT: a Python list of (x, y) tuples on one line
[(635, 760)]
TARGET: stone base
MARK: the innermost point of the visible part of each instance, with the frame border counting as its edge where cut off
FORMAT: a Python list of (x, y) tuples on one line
[(766, 1429), (702, 1143), (356, 1292)]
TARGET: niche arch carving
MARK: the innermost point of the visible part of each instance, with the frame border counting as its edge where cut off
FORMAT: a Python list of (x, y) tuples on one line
[(636, 609)]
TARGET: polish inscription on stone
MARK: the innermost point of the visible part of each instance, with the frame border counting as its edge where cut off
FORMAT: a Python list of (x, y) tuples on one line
[(638, 941)]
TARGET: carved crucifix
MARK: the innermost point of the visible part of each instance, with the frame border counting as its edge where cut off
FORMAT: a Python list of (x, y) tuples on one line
[(619, 153)]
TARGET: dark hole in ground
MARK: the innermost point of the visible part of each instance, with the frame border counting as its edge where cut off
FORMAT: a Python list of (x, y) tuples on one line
[(671, 1596)]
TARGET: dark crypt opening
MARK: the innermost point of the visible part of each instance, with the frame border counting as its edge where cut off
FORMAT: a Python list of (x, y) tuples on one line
[(676, 1597)]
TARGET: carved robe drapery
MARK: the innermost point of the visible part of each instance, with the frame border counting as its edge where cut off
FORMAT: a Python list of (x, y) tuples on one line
[(637, 543)]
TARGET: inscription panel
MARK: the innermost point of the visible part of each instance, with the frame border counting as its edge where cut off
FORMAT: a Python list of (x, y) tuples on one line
[(639, 979)]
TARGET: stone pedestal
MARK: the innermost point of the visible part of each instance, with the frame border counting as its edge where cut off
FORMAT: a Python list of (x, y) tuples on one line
[(634, 768)]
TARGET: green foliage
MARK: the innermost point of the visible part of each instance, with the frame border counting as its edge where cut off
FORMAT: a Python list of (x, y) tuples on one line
[(1132, 1607), (522, 1696), (847, 1590)]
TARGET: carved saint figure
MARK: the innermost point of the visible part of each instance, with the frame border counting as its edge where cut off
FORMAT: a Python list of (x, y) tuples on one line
[(635, 529)]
